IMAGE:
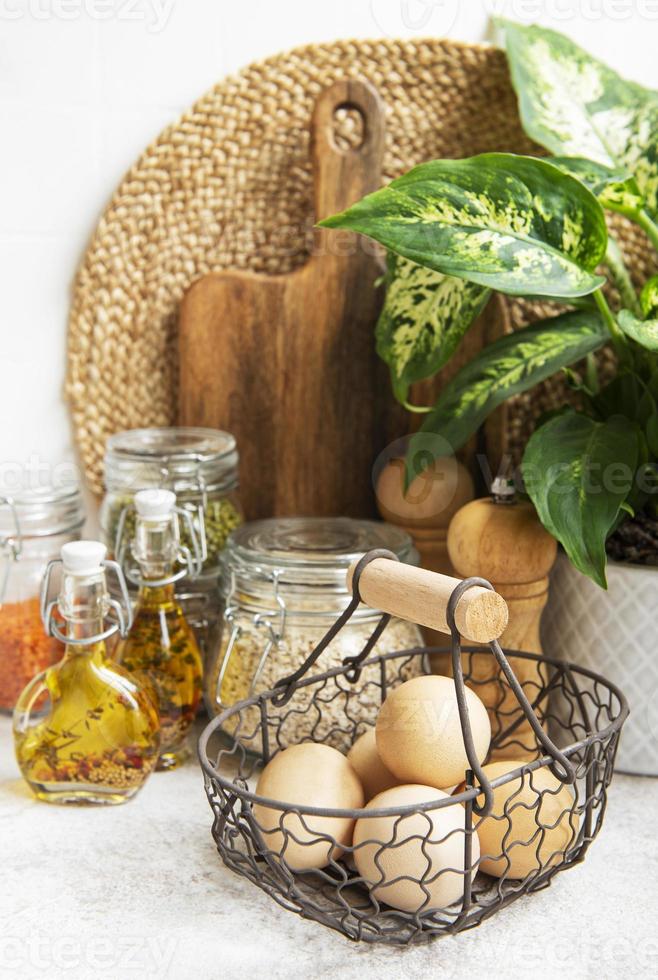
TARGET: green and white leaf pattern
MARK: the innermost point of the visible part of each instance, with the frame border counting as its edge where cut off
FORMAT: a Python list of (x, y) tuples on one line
[(615, 189), (512, 364), (644, 332), (424, 317), (575, 105), (512, 223), (579, 473)]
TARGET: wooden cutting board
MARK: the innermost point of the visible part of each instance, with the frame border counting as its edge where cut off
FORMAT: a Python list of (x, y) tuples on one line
[(287, 363)]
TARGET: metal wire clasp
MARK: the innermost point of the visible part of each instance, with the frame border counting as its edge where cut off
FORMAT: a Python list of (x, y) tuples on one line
[(353, 664), (11, 546), (274, 631), (192, 559), (122, 609)]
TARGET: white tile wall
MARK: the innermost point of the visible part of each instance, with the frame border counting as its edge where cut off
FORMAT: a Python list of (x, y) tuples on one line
[(86, 84)]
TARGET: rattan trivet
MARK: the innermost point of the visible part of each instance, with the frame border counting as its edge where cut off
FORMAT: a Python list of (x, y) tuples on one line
[(228, 185)]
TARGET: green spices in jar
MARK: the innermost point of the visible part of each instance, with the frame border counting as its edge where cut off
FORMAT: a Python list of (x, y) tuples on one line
[(200, 466), (220, 518)]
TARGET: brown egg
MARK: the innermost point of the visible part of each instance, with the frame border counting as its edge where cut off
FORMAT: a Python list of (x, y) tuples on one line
[(419, 735), (534, 814), (308, 774), (370, 769), (414, 863)]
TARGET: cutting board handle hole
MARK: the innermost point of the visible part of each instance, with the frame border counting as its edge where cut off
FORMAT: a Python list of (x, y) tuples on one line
[(348, 129)]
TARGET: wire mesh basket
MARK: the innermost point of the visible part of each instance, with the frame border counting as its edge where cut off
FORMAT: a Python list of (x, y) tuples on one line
[(441, 863)]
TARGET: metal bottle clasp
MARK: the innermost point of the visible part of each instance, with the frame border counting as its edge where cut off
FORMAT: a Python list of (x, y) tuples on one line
[(192, 559), (121, 609)]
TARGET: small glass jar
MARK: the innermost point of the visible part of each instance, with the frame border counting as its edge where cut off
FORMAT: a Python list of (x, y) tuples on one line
[(201, 467), (283, 586), (34, 524)]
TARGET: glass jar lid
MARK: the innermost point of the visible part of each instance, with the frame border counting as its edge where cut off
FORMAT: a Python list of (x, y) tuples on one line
[(40, 512), (297, 558), (182, 458)]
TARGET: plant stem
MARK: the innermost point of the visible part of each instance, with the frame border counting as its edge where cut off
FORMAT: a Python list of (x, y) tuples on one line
[(615, 262), (649, 227), (418, 409), (618, 339)]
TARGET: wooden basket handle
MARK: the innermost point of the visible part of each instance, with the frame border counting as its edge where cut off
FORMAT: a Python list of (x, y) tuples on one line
[(422, 597)]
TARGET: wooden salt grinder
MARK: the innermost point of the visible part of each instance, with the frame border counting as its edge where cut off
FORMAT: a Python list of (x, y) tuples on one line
[(501, 539), (424, 512)]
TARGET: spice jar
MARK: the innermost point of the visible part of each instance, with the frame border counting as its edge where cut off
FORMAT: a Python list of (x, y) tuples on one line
[(201, 467), (34, 525), (283, 585)]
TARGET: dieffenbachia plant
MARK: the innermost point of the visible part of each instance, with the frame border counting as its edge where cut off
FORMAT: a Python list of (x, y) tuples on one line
[(457, 229)]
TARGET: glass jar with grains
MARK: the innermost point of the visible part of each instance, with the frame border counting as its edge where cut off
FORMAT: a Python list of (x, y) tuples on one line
[(283, 586), (34, 524), (201, 467)]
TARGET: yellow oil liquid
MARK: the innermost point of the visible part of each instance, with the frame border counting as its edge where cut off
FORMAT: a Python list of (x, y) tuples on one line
[(161, 647), (85, 731)]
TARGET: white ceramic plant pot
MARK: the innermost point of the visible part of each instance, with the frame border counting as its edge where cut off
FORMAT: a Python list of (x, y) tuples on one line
[(614, 633)]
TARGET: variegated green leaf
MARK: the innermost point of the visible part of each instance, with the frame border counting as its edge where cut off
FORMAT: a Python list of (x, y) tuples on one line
[(425, 315), (510, 365), (579, 473), (644, 332), (614, 260), (512, 223), (575, 105), (617, 190), (649, 297)]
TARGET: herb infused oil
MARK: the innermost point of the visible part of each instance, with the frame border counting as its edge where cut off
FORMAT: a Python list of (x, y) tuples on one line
[(161, 645), (85, 731)]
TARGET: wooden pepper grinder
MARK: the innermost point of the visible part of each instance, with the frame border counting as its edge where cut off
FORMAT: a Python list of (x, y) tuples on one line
[(501, 539), (425, 512)]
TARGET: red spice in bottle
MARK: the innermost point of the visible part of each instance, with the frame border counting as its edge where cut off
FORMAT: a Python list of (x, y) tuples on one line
[(25, 650)]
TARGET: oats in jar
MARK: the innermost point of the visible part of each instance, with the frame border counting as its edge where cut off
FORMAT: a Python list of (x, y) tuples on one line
[(284, 586)]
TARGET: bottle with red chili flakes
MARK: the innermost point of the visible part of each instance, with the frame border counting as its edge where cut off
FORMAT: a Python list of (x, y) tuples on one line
[(85, 730), (34, 524)]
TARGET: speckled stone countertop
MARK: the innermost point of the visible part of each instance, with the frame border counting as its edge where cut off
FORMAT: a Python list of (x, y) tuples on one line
[(139, 891)]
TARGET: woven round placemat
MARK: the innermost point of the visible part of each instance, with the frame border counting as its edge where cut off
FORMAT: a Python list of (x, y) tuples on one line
[(229, 186)]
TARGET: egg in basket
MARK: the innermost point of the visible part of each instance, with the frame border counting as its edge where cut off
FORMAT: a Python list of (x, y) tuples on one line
[(422, 822)]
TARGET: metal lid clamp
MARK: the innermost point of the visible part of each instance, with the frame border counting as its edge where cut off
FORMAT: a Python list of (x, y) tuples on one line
[(10, 546), (275, 634)]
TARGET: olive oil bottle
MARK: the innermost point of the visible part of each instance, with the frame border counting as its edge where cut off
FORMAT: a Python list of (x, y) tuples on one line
[(85, 730), (161, 645)]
